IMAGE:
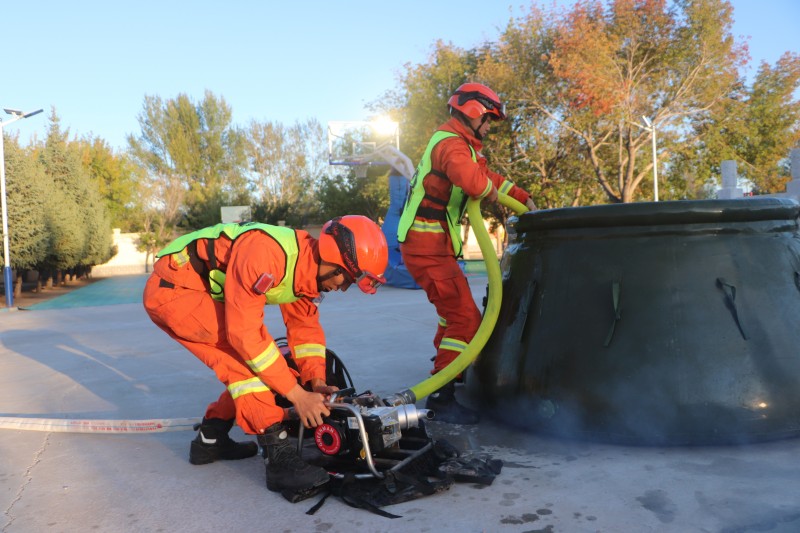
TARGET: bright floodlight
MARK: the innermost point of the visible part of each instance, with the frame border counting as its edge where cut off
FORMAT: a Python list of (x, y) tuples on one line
[(383, 126)]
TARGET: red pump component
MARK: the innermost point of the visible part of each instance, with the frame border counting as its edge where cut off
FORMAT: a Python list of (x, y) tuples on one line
[(328, 439)]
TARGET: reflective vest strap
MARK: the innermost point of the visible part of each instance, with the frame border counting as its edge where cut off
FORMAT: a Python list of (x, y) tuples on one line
[(431, 213), (212, 256)]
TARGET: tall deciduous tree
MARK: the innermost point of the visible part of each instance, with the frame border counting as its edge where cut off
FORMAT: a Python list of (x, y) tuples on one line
[(756, 126), (349, 195), (530, 148), (286, 164), (578, 83), (115, 179), (671, 62), (193, 158)]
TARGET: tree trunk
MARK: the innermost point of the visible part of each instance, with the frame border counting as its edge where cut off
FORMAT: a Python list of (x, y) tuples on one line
[(18, 286)]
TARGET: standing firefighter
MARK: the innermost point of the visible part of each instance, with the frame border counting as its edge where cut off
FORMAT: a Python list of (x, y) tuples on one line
[(451, 170), (208, 290)]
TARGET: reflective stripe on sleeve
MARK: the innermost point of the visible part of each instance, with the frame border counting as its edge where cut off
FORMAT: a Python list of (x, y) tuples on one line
[(309, 350), (247, 386), (452, 344), (442, 322), (505, 187), (262, 361), (487, 190)]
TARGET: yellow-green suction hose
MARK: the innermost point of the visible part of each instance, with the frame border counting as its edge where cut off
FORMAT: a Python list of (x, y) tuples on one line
[(457, 366)]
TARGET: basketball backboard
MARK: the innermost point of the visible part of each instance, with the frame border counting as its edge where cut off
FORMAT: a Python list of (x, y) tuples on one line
[(235, 214), (354, 143)]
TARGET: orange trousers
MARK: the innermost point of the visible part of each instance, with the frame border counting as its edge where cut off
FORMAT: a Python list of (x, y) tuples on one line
[(197, 321), (448, 290)]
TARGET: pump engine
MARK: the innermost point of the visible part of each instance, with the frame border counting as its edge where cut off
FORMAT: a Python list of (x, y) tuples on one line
[(363, 431)]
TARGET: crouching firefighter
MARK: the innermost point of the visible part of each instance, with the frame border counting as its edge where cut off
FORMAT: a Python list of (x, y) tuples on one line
[(208, 291)]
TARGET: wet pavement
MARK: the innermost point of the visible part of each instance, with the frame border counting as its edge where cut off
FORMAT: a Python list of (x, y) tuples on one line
[(103, 360)]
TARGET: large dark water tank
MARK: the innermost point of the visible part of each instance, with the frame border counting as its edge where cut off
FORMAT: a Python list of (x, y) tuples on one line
[(650, 323)]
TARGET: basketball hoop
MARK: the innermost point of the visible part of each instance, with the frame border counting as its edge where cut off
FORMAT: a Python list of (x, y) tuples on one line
[(361, 144)]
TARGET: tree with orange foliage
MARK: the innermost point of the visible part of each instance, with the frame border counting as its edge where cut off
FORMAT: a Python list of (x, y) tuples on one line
[(610, 65)]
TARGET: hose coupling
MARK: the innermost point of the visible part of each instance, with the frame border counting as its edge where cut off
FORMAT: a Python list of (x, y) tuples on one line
[(405, 397)]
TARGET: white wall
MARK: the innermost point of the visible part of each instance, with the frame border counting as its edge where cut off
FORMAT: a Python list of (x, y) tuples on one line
[(127, 261)]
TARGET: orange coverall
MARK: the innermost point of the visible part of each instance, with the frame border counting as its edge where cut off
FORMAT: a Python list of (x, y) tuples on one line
[(224, 335), (429, 255)]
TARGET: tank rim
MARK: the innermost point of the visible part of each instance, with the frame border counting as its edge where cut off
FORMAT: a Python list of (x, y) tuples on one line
[(661, 213)]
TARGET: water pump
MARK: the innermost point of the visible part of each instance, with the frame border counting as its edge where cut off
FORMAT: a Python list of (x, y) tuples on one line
[(365, 431)]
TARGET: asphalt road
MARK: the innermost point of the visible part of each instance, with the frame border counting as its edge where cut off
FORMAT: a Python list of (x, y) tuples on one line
[(104, 360)]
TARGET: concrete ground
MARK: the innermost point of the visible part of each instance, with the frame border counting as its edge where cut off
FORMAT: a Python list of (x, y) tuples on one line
[(106, 361)]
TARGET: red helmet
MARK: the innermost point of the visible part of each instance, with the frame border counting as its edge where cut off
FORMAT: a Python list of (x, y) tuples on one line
[(475, 100), (358, 245)]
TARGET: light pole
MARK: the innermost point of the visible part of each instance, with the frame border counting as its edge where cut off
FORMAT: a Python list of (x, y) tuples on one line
[(9, 285), (652, 129)]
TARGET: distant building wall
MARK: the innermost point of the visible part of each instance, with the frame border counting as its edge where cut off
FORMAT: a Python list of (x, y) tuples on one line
[(472, 249), (128, 259), (730, 180)]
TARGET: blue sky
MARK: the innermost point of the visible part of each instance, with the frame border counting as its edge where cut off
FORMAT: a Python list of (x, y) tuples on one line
[(282, 61)]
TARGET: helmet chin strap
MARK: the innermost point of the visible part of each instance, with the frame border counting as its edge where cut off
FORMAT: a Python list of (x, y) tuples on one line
[(333, 273), (475, 131), (484, 119)]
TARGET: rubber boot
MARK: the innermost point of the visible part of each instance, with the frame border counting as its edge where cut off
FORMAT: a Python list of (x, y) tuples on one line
[(213, 443), (286, 470), (446, 409)]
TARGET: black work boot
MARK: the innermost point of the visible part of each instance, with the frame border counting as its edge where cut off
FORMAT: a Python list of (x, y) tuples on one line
[(446, 409), (213, 443), (286, 470)]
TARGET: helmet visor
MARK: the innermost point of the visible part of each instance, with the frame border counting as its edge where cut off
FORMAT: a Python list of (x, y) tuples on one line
[(498, 109), (345, 241), (369, 282)]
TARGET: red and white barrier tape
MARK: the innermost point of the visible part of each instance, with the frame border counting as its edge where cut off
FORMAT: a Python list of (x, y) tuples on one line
[(110, 427)]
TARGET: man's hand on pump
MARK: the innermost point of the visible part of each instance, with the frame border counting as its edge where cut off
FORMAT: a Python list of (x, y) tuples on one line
[(310, 406), (319, 385)]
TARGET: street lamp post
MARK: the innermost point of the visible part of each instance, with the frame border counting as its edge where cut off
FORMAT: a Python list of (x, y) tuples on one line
[(652, 130), (9, 285)]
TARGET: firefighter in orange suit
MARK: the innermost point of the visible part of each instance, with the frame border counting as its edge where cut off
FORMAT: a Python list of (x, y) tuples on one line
[(451, 170), (208, 291)]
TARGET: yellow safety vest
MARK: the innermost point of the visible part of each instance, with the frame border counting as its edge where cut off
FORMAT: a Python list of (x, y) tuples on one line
[(456, 205), (282, 293)]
